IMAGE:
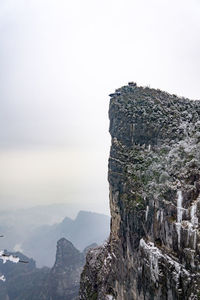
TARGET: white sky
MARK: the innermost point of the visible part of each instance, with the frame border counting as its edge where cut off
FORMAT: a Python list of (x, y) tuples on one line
[(59, 60)]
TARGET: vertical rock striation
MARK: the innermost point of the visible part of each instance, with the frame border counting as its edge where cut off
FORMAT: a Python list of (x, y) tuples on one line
[(154, 176), (63, 280)]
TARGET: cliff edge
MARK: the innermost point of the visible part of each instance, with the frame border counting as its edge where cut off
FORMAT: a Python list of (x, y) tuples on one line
[(154, 174)]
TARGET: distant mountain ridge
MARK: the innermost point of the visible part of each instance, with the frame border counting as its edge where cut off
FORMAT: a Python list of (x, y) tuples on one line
[(25, 229), (87, 228), (19, 224)]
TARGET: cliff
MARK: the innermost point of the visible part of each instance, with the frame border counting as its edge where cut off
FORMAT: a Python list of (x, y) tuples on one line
[(154, 177), (63, 280)]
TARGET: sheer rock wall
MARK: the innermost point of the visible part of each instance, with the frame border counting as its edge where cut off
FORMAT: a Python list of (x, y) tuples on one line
[(154, 176)]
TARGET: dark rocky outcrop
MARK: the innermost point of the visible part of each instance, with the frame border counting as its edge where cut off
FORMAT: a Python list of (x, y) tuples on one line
[(64, 277), (23, 280), (154, 174), (26, 282)]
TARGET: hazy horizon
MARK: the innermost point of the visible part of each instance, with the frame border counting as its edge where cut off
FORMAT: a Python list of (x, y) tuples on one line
[(59, 61)]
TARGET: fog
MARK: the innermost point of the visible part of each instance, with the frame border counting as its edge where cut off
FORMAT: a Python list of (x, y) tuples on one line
[(60, 175), (59, 61)]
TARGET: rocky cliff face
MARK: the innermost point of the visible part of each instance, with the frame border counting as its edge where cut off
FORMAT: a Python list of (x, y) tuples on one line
[(154, 176), (63, 280)]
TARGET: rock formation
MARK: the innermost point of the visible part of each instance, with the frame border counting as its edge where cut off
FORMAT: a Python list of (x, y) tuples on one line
[(154, 174), (26, 282), (63, 280), (23, 280)]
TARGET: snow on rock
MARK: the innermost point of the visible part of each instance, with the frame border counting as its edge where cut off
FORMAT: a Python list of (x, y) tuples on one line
[(147, 212), (193, 224), (179, 207), (6, 258), (179, 216), (107, 259), (109, 297), (154, 255), (158, 215), (193, 214), (2, 278), (161, 216), (178, 229), (195, 240)]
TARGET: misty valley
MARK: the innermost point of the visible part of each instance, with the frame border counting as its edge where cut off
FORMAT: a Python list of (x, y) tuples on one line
[(53, 250), (150, 249)]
